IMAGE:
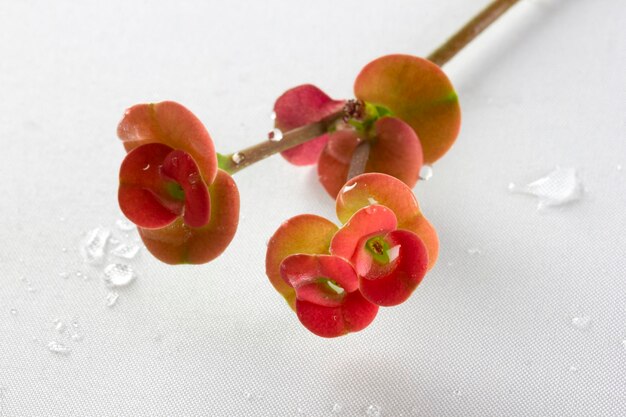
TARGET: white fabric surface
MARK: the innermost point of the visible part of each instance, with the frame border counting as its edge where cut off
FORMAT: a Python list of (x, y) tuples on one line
[(486, 334)]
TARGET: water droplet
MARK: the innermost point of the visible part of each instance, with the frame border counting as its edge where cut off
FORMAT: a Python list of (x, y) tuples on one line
[(147, 167), (125, 251), (559, 187), (13, 312), (348, 187), (59, 326), (337, 408), (474, 251), (111, 298), (372, 200), (92, 247), (372, 411), (581, 322), (275, 135), (119, 275), (238, 158), (124, 225), (426, 172), (58, 348), (193, 178), (393, 253), (64, 275)]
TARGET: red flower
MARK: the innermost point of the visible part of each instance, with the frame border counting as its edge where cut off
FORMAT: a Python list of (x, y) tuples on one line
[(408, 113), (186, 209), (335, 278)]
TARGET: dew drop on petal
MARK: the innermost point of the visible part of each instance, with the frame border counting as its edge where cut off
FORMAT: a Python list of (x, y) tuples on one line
[(275, 135), (58, 348), (426, 172), (348, 188), (559, 187), (238, 158), (119, 275), (92, 247), (193, 178), (393, 253)]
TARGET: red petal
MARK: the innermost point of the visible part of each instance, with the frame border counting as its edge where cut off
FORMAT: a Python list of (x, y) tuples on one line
[(179, 243), (334, 162), (355, 314), (142, 195), (394, 150), (171, 124), (309, 274), (300, 106), (418, 92), (392, 284), (179, 166), (368, 221), (364, 189), (308, 234)]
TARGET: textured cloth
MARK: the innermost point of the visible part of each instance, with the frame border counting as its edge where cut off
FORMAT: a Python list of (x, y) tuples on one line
[(524, 314)]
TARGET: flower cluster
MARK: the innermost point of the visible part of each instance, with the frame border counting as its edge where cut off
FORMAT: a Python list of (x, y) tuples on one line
[(406, 111), (186, 209), (336, 278)]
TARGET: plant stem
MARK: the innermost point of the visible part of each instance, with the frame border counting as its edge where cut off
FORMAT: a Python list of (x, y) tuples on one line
[(468, 32), (237, 161)]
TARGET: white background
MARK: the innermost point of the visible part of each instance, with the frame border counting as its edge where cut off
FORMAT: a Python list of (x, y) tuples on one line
[(486, 334)]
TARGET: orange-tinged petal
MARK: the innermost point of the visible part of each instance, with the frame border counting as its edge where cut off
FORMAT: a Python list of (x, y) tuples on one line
[(388, 191), (171, 124), (179, 243), (418, 92), (303, 234)]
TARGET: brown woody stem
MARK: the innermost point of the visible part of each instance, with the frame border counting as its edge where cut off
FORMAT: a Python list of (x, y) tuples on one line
[(237, 161)]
